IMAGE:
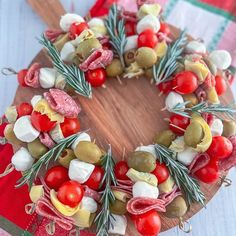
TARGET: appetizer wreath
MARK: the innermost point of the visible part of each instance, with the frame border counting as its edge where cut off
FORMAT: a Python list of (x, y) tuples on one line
[(82, 184)]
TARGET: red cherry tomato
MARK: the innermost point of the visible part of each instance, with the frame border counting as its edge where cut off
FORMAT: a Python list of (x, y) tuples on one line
[(96, 77), (24, 109), (147, 39), (209, 173), (161, 172), (42, 122), (178, 121), (185, 82), (21, 77), (130, 28), (70, 193), (148, 223), (56, 176), (77, 28), (2, 128), (121, 169), (221, 85), (95, 178), (70, 126), (220, 148), (164, 29), (165, 87)]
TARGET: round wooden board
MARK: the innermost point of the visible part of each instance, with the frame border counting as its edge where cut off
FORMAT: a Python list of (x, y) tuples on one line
[(124, 115)]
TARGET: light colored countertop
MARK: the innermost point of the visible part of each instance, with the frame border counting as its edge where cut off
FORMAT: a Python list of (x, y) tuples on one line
[(19, 26)]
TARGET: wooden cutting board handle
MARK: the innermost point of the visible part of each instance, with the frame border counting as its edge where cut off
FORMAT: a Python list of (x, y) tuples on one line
[(49, 10)]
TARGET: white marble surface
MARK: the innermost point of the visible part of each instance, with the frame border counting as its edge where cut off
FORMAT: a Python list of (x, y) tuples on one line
[(19, 26)]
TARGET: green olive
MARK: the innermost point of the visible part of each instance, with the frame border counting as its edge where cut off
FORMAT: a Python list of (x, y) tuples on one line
[(76, 60), (142, 161), (193, 134), (145, 57), (177, 208), (61, 40), (36, 149), (86, 47), (149, 73), (166, 186), (118, 207), (229, 128), (129, 56), (66, 157), (88, 152), (10, 135), (115, 68), (191, 98), (165, 137)]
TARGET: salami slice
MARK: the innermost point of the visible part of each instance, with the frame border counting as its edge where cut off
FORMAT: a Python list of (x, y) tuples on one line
[(169, 197), (32, 77), (62, 103), (52, 34), (209, 118), (88, 192), (209, 82), (46, 140), (161, 36), (103, 40), (201, 160), (128, 15), (201, 94)]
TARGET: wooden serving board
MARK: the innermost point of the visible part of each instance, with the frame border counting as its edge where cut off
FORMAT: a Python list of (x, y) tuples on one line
[(124, 115)]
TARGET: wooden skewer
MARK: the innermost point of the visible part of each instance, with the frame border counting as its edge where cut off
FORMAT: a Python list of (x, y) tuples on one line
[(160, 94), (104, 86), (178, 127), (164, 109)]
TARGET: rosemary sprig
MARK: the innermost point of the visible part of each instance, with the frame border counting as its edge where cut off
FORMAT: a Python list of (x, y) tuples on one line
[(187, 184), (73, 75), (103, 219), (54, 153), (204, 107), (116, 31), (169, 63)]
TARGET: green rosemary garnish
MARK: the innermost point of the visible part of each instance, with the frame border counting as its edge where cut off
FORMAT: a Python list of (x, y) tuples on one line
[(54, 153), (73, 75), (187, 184), (169, 63), (204, 107), (103, 219), (116, 31)]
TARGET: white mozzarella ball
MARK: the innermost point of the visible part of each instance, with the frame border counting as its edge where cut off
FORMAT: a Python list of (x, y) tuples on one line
[(22, 160), (217, 127), (131, 43), (195, 47), (67, 52), (96, 22), (186, 157), (148, 22), (80, 171), (47, 77), (143, 189), (148, 148), (118, 224), (221, 58), (68, 19), (24, 130), (81, 137), (35, 99), (89, 204), (56, 133), (173, 99)]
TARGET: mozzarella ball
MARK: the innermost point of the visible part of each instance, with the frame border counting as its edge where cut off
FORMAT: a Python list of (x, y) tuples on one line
[(195, 47), (173, 99), (221, 58), (81, 137), (131, 43), (94, 22), (186, 157), (22, 160), (47, 77), (148, 22), (67, 52), (68, 19), (24, 130), (89, 204), (143, 189), (35, 99), (118, 224), (148, 148), (217, 127)]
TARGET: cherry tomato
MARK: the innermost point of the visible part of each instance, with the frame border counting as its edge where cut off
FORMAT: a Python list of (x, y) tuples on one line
[(164, 29), (165, 87), (148, 223), (70, 193), (24, 109), (178, 121), (95, 178), (96, 77), (42, 122), (147, 39), (209, 173), (161, 172), (120, 170), (221, 85), (130, 28), (56, 176), (2, 128), (220, 148), (77, 28), (70, 126), (185, 82), (21, 77)]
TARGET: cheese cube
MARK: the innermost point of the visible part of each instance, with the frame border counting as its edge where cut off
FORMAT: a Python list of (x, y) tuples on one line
[(47, 77), (89, 204), (143, 189), (148, 22), (68, 19), (118, 225)]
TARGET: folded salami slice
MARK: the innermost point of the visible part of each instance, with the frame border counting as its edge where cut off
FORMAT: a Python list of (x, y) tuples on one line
[(169, 197), (209, 82), (32, 77), (209, 118), (141, 205), (201, 94), (161, 36), (52, 34), (88, 192), (201, 160), (62, 103), (98, 58), (103, 40), (128, 15), (46, 140)]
